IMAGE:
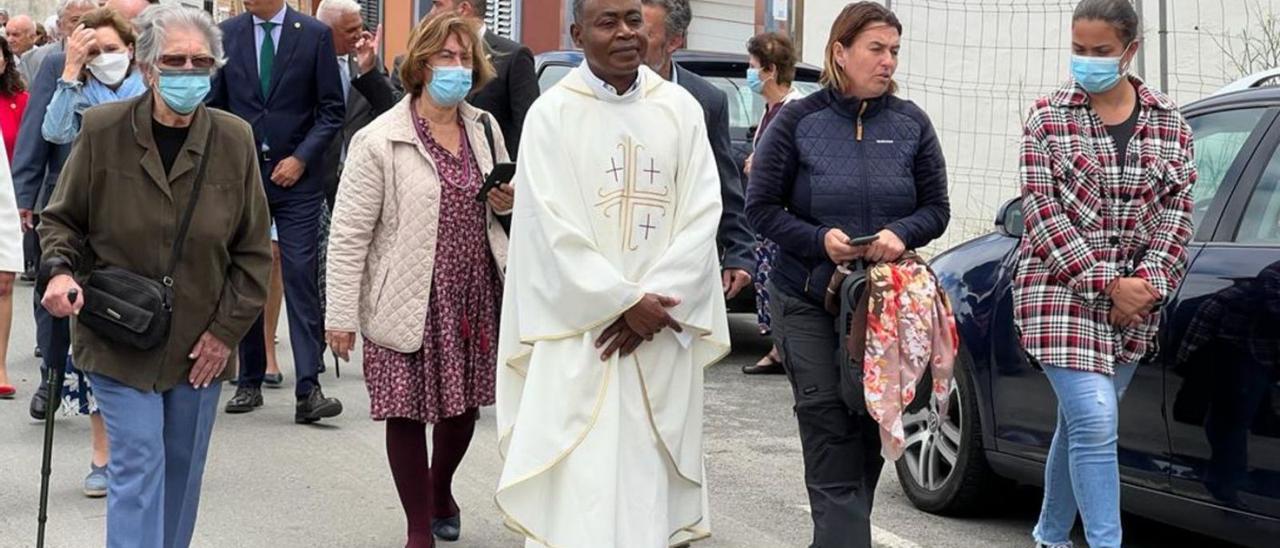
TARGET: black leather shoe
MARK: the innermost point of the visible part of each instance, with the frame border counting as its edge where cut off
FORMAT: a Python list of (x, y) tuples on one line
[(447, 529), (315, 407), (246, 399), (40, 402), (273, 381)]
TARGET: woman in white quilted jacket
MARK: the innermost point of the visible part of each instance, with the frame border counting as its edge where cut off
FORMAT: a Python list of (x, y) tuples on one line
[(415, 265), (10, 257)]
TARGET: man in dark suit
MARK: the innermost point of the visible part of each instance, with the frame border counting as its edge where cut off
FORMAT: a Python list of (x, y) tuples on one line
[(37, 163), (509, 96), (366, 85), (282, 77), (666, 22)]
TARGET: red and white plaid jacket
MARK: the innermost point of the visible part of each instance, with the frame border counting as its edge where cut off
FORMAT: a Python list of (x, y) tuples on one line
[(1090, 221)]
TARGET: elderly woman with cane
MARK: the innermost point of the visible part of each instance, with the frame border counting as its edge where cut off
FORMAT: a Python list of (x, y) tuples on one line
[(159, 222)]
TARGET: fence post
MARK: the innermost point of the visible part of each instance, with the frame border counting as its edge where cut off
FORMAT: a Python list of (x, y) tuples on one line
[(1142, 56), (1164, 46)]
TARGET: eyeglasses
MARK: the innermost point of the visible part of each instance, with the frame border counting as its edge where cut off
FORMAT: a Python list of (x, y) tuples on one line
[(180, 61)]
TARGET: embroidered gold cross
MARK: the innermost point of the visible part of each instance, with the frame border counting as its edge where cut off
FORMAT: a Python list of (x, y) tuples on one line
[(629, 201)]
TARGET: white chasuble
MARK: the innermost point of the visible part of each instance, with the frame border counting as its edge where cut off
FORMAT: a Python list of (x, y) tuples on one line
[(617, 197)]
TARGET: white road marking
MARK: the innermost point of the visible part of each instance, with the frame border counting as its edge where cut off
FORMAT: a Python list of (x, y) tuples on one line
[(880, 538)]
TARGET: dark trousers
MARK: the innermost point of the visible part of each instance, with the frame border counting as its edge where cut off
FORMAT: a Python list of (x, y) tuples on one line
[(297, 219), (44, 322), (31, 247), (841, 446)]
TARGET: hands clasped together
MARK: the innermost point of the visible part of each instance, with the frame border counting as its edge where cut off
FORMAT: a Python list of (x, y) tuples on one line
[(1132, 300), (637, 325)]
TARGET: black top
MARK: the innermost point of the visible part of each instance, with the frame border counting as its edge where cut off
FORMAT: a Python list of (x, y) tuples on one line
[(169, 140), (1122, 133)]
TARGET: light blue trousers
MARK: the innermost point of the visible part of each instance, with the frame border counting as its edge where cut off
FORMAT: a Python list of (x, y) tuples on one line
[(158, 443), (1082, 472)]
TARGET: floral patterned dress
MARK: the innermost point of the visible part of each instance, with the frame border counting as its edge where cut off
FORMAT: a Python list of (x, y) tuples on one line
[(455, 369)]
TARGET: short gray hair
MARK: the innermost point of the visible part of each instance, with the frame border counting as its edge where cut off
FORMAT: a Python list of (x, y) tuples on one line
[(334, 8), (64, 5), (679, 15), (155, 23)]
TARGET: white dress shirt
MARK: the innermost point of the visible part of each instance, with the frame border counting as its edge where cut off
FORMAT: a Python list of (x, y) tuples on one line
[(258, 35)]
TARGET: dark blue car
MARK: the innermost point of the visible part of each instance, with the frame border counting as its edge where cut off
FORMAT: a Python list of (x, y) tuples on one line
[(1200, 426)]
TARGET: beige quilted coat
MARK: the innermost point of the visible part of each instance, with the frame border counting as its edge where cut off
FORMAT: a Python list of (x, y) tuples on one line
[(382, 242)]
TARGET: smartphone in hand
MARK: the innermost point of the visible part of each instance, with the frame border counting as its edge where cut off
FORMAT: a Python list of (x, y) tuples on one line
[(861, 241), (502, 174)]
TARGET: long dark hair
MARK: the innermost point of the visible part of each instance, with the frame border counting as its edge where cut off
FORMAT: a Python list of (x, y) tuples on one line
[(11, 81)]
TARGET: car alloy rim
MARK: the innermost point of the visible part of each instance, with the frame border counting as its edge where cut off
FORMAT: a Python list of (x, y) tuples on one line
[(933, 445)]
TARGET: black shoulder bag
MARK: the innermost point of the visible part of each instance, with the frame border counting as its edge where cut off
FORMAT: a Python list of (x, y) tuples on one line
[(504, 220), (134, 310)]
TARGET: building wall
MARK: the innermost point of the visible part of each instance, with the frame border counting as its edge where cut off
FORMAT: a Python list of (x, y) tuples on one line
[(39, 10), (398, 19), (722, 25), (543, 26)]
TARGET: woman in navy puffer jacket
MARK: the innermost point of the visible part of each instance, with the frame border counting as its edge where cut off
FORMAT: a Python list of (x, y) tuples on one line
[(850, 161)]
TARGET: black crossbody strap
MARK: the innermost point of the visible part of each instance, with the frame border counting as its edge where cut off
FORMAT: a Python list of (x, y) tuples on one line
[(191, 206), (488, 136)]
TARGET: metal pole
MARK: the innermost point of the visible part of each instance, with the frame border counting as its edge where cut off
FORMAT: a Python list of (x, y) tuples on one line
[(1164, 46), (1142, 53)]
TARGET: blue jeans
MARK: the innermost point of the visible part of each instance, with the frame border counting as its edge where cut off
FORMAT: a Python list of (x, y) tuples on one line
[(158, 444), (1082, 472)]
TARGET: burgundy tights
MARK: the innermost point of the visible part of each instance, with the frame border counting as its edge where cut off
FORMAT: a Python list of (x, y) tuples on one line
[(414, 478)]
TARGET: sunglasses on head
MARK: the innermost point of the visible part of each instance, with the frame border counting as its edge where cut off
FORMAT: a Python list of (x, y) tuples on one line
[(180, 61)]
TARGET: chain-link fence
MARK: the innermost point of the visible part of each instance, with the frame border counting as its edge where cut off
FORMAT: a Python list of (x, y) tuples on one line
[(977, 65)]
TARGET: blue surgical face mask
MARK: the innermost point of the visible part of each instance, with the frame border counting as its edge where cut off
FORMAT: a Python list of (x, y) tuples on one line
[(1096, 74), (183, 91), (754, 83), (449, 85)]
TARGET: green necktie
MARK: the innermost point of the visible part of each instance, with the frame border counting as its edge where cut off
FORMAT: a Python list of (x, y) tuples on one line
[(266, 57)]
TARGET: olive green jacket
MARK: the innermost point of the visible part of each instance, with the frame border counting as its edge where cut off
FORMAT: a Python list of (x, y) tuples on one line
[(115, 206)]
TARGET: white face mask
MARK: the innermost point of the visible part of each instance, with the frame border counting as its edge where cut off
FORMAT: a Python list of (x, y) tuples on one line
[(110, 68)]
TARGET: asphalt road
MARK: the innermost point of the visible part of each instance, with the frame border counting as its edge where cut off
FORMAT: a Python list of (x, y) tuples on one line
[(273, 484)]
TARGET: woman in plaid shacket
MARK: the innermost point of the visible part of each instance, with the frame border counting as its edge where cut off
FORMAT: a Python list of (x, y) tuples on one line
[(1107, 169)]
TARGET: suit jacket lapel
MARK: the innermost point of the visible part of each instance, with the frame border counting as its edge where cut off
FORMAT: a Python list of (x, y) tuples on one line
[(290, 34), (248, 54), (354, 100)]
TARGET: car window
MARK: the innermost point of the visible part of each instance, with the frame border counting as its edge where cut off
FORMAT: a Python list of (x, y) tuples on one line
[(746, 108), (1219, 136), (552, 74), (1261, 221)]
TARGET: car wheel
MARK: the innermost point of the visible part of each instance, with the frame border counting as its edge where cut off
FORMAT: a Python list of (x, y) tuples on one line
[(943, 469)]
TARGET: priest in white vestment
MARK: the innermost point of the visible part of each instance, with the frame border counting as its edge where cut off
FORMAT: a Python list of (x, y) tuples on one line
[(618, 204)]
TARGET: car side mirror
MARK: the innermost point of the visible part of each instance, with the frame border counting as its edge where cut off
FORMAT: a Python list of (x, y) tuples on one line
[(1009, 219), (751, 132)]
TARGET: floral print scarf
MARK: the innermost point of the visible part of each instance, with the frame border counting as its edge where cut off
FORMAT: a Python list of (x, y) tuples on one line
[(910, 328)]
